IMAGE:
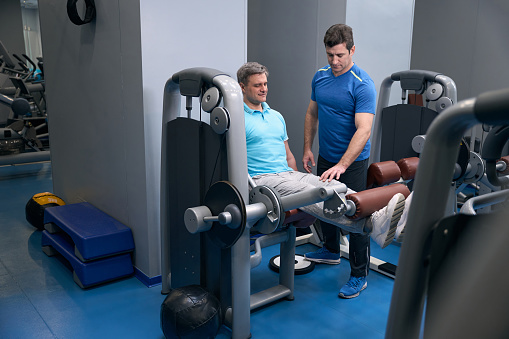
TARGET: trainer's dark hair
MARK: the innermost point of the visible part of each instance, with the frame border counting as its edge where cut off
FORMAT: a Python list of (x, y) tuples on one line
[(248, 69), (338, 34)]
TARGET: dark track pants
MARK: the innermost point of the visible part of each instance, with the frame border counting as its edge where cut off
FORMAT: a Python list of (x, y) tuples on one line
[(355, 178)]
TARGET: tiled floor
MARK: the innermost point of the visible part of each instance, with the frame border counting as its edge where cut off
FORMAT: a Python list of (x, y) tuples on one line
[(39, 299)]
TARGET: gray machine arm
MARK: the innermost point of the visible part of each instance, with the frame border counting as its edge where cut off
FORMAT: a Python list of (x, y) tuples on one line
[(270, 205), (489, 199), (431, 187)]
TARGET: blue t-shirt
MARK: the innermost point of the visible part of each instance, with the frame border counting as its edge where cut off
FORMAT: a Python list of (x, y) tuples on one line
[(338, 99), (265, 137)]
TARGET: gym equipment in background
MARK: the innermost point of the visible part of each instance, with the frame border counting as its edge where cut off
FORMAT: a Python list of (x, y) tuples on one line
[(397, 126), (24, 133)]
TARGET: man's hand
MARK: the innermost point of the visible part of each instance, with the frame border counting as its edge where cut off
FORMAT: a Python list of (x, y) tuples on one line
[(306, 159), (333, 173)]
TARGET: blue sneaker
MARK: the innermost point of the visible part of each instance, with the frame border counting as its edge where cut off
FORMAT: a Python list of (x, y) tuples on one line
[(353, 287), (324, 256)]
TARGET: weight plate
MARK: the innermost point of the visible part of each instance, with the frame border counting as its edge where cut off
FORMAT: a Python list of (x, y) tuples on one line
[(219, 120), (442, 104), (210, 99), (275, 213), (220, 195), (477, 168), (434, 92), (302, 266)]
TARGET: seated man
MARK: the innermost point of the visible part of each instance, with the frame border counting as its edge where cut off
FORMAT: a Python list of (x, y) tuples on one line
[(271, 162)]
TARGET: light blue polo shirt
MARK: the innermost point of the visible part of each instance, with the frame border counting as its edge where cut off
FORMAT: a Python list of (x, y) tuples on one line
[(265, 137)]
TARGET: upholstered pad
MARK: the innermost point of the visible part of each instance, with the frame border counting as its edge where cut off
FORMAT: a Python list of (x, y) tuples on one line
[(408, 167), (372, 200), (298, 218), (383, 173)]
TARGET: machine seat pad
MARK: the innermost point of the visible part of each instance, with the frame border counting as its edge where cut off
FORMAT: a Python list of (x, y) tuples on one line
[(374, 199), (298, 218)]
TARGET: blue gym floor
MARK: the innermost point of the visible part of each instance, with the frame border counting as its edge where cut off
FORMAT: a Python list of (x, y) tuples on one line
[(39, 299)]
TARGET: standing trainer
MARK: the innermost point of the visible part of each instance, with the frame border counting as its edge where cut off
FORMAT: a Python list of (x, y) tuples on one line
[(341, 109)]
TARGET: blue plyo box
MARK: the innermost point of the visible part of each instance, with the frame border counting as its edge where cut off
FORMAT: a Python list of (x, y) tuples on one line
[(87, 274), (95, 234)]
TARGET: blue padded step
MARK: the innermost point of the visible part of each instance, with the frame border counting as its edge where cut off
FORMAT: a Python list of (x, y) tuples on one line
[(90, 273), (95, 234)]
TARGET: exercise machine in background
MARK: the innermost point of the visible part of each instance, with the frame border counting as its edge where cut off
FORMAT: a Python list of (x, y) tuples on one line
[(18, 140), (24, 135)]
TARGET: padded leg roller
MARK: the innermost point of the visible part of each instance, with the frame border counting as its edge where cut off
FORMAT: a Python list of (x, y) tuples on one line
[(369, 201)]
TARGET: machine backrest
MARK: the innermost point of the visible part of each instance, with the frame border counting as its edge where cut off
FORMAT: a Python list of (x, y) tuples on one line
[(400, 124)]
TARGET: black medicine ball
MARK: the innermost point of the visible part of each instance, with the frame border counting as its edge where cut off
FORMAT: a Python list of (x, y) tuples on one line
[(190, 312), (34, 209)]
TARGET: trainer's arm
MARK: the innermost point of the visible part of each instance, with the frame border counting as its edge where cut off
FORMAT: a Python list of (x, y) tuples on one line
[(310, 128), (290, 158), (363, 123)]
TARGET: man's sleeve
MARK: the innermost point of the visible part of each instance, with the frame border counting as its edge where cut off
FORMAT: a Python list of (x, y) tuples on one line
[(365, 98)]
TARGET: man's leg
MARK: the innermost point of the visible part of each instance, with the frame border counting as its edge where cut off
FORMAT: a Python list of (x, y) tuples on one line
[(286, 183), (330, 253), (359, 250), (359, 246), (355, 178)]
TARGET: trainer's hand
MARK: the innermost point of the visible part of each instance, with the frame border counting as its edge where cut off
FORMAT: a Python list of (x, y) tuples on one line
[(306, 159), (333, 173)]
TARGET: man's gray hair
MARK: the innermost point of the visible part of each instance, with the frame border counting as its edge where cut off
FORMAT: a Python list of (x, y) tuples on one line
[(248, 69)]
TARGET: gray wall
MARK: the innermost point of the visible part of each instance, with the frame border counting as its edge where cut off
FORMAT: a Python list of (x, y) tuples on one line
[(177, 35), (11, 26), (105, 83), (383, 46), (288, 40), (464, 39), (95, 109)]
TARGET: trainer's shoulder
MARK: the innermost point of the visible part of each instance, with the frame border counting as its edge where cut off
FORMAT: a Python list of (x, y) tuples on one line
[(360, 74), (323, 72), (324, 69)]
